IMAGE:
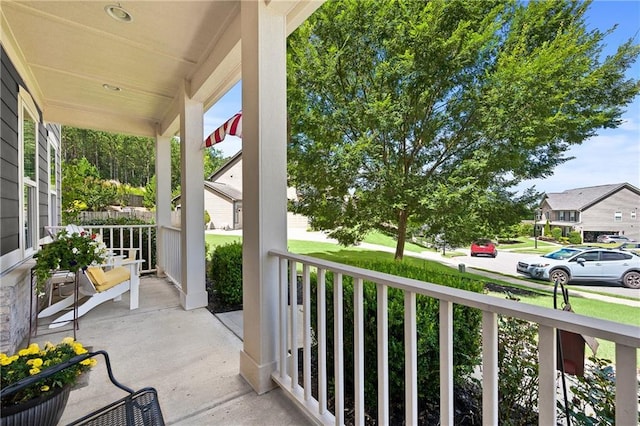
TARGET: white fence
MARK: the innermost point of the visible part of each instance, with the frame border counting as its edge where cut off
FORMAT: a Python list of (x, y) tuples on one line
[(119, 238), (626, 338), (86, 216)]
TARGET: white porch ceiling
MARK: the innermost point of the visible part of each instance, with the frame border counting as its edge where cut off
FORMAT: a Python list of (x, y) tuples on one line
[(67, 50)]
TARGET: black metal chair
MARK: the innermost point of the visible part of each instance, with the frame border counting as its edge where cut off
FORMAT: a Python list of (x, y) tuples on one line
[(138, 408)]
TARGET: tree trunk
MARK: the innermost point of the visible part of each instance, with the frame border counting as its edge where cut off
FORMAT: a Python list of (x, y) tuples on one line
[(402, 234)]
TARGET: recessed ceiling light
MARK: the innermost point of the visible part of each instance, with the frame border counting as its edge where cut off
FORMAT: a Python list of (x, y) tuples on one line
[(111, 87), (118, 13)]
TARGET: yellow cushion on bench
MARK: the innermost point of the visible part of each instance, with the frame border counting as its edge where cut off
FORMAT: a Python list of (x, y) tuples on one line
[(97, 275), (105, 280)]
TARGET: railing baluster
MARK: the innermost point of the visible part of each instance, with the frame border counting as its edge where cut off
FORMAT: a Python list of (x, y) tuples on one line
[(547, 356), (411, 359), (446, 363), (626, 385), (358, 349), (322, 342), (293, 324), (489, 368), (338, 356), (306, 303), (282, 312), (383, 353)]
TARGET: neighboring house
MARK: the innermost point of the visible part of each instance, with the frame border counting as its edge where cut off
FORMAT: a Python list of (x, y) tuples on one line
[(30, 196), (594, 210), (223, 198)]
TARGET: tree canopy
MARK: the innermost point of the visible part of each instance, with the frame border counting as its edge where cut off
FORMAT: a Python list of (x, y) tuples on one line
[(412, 114), (130, 160)]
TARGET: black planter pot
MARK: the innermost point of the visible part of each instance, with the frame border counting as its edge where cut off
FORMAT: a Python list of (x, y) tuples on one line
[(45, 410)]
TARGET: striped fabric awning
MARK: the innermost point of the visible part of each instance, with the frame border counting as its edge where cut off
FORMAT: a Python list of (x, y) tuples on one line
[(232, 126)]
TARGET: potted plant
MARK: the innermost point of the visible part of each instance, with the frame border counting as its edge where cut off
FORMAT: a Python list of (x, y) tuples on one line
[(68, 252), (43, 402)]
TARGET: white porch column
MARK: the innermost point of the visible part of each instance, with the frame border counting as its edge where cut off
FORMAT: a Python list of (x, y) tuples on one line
[(163, 196), (264, 187), (194, 293)]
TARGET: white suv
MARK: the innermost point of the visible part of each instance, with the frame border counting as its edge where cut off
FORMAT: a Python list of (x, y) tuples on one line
[(584, 264)]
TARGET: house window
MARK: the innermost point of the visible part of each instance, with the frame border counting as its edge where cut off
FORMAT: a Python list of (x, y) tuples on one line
[(28, 137), (572, 216), (617, 217), (633, 214), (561, 215)]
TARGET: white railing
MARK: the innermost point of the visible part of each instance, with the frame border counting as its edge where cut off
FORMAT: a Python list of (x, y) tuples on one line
[(171, 261), (120, 238), (625, 337)]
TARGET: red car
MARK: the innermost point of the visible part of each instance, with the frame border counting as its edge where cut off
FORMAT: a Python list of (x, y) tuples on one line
[(484, 247)]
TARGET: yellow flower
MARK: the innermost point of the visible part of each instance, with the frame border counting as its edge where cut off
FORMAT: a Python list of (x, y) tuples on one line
[(68, 340), (24, 352), (78, 349), (34, 371), (4, 360), (44, 388), (90, 362), (34, 348), (35, 362)]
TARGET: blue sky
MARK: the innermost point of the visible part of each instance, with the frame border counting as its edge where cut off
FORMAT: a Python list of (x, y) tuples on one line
[(613, 156)]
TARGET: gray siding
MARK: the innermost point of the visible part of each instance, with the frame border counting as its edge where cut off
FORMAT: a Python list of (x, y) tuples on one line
[(600, 216), (9, 183)]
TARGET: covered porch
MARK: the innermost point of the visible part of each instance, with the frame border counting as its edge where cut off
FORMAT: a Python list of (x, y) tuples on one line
[(155, 75)]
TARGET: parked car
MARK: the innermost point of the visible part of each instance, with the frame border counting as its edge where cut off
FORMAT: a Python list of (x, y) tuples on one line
[(484, 246), (584, 264), (633, 246), (612, 239)]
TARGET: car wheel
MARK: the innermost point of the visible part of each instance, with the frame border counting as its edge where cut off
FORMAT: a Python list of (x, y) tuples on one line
[(473, 255), (631, 279), (559, 275)]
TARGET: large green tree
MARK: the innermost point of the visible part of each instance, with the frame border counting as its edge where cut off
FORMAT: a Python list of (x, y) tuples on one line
[(413, 113), (127, 159)]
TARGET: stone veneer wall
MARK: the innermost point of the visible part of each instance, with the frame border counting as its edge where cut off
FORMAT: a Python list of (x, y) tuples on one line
[(15, 308)]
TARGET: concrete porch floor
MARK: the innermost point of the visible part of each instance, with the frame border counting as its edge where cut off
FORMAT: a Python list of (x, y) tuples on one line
[(190, 357)]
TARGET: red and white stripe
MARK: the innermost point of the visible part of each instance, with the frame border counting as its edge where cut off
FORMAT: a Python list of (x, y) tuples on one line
[(232, 126)]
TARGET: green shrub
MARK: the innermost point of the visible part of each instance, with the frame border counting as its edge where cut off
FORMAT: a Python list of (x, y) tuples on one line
[(518, 372), (594, 395), (575, 238), (226, 273), (556, 233), (466, 331), (547, 229)]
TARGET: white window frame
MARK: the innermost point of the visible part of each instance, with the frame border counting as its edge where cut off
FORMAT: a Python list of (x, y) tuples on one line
[(53, 189), (617, 216), (26, 105), (633, 214)]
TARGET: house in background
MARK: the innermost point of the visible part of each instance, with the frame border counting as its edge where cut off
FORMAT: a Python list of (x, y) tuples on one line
[(594, 210), (223, 198)]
